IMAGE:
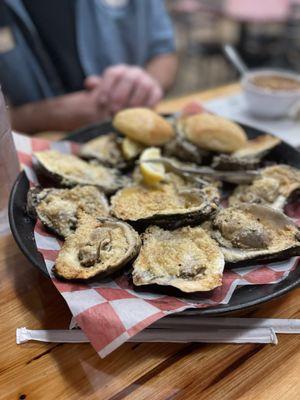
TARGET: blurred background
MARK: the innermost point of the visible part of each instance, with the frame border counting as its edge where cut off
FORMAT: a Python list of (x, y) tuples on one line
[(265, 32)]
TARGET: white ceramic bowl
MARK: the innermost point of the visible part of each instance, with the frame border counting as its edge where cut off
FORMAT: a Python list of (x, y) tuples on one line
[(270, 103)]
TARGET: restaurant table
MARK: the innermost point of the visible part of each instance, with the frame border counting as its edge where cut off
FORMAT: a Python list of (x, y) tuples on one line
[(134, 371)]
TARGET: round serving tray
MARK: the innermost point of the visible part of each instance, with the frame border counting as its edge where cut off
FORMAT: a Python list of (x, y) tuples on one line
[(22, 227)]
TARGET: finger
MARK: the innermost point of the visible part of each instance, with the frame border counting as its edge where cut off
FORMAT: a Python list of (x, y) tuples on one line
[(120, 96), (91, 82), (154, 97), (94, 84), (100, 95), (112, 75), (141, 93)]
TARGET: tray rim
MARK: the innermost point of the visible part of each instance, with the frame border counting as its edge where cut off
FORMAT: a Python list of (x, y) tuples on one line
[(215, 310)]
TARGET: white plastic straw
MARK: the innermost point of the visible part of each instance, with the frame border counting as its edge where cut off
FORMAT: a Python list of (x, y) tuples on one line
[(204, 335), (194, 322)]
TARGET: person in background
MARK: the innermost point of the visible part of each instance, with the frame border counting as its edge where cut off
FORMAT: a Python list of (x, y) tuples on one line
[(67, 63)]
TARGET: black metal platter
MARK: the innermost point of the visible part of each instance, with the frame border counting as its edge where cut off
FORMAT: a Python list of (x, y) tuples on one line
[(22, 227)]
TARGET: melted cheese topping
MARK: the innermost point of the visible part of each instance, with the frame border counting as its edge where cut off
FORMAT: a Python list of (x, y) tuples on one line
[(73, 169), (59, 208), (106, 245), (186, 258), (287, 177), (272, 188), (104, 148), (139, 202)]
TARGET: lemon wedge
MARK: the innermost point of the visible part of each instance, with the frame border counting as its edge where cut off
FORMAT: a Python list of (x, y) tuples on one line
[(131, 149), (152, 173)]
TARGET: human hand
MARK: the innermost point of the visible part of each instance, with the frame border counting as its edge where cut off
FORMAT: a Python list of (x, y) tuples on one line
[(82, 108), (129, 86), (94, 83), (62, 113)]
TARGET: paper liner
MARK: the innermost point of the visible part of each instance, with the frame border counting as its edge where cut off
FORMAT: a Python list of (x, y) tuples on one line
[(110, 312)]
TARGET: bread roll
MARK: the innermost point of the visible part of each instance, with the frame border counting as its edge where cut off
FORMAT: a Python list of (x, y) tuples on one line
[(211, 132), (143, 125)]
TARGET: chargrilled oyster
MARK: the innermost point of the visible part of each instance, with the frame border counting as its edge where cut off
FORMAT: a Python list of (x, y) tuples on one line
[(99, 246), (164, 205), (252, 233), (273, 187), (57, 209), (106, 149), (248, 157), (228, 162), (186, 258), (258, 147), (184, 150), (67, 170)]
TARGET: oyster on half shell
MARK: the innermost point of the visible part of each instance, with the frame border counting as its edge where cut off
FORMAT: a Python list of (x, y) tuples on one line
[(252, 233), (106, 149), (68, 170), (184, 150), (273, 187), (99, 246), (186, 258), (57, 209), (164, 205), (248, 157), (228, 162), (258, 147)]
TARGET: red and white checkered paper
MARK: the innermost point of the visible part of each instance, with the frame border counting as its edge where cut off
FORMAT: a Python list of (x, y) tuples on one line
[(111, 311)]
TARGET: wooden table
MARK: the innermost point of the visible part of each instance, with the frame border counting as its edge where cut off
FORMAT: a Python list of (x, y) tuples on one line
[(135, 371)]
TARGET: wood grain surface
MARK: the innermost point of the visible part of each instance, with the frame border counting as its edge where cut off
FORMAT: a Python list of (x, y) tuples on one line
[(135, 371)]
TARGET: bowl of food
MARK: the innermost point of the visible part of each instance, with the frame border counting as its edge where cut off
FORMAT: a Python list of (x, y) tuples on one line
[(271, 93)]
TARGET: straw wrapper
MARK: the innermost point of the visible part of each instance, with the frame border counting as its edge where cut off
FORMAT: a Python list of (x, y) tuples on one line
[(201, 335), (111, 312), (184, 329)]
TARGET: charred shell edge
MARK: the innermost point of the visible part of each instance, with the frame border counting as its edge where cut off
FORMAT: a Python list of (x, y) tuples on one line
[(174, 221), (225, 162), (122, 164), (267, 258), (62, 182), (32, 201), (53, 177)]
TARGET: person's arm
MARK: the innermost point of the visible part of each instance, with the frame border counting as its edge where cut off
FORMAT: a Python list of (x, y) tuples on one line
[(63, 113), (163, 69)]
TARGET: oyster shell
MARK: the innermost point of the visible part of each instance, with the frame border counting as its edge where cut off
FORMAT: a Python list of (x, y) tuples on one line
[(273, 187), (99, 246), (254, 233), (184, 150), (248, 157), (164, 205), (57, 208), (258, 147), (68, 171), (106, 149), (186, 258), (228, 162)]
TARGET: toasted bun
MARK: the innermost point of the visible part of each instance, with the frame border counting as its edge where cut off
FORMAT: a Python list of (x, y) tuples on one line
[(211, 132), (143, 125)]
